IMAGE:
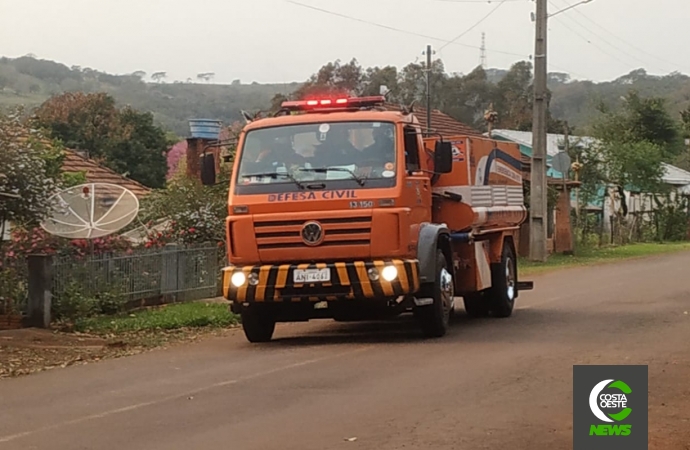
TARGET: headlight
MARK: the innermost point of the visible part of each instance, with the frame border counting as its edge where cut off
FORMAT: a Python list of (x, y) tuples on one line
[(389, 273), (238, 279)]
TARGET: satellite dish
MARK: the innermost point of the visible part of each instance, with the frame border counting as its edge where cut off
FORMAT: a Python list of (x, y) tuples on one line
[(90, 211)]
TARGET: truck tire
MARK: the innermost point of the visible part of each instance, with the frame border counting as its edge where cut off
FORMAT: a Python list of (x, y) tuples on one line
[(434, 318), (476, 305), (257, 327), (503, 289)]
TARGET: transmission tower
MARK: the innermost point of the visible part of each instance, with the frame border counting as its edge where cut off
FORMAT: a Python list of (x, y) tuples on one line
[(482, 55)]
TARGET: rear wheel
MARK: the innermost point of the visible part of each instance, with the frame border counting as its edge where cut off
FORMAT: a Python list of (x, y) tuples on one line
[(434, 318), (503, 290), (257, 327)]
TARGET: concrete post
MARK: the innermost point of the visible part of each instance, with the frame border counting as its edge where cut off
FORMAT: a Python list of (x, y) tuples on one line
[(40, 290)]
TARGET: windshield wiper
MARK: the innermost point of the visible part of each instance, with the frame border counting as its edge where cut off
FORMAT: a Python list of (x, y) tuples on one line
[(275, 175), (359, 180)]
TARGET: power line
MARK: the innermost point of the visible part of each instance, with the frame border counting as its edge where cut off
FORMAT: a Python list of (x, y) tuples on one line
[(605, 41), (626, 63), (386, 27), (478, 1), (412, 33), (473, 26), (671, 64)]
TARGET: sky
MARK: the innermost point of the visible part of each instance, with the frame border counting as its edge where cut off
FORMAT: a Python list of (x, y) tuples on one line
[(288, 40)]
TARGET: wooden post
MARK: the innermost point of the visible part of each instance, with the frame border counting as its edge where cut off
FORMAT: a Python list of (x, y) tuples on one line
[(40, 290), (564, 235)]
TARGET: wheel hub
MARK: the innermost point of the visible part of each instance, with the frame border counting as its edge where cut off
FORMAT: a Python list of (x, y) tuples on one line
[(446, 287), (510, 279)]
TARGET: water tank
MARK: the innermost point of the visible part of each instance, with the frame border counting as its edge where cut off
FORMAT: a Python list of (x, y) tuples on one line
[(205, 128)]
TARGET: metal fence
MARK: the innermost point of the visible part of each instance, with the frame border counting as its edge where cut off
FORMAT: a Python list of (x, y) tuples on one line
[(14, 284), (170, 274)]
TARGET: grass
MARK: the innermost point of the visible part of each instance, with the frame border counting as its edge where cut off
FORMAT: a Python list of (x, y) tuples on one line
[(168, 318), (589, 256)]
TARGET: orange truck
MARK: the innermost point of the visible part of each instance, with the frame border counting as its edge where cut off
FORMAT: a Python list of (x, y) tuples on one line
[(339, 208)]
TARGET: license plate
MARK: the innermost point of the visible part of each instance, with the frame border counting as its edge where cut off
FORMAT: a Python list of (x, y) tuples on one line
[(312, 276)]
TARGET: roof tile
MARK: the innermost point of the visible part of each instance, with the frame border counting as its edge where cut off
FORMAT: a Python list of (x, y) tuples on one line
[(440, 122), (95, 173)]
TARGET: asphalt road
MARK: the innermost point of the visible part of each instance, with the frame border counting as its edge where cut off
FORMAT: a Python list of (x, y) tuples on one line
[(488, 384)]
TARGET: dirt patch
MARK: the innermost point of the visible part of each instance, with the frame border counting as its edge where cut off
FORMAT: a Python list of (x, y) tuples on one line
[(669, 397), (31, 350)]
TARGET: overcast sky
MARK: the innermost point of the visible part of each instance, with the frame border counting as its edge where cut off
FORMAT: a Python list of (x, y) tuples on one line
[(278, 40)]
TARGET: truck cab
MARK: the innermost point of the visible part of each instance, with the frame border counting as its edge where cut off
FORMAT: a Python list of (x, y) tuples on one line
[(333, 213)]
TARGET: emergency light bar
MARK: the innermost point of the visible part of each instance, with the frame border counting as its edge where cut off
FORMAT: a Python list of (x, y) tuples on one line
[(337, 103)]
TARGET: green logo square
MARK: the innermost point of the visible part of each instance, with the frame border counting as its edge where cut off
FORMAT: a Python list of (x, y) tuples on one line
[(610, 407)]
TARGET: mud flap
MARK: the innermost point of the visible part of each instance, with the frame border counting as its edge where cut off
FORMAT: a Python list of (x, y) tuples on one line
[(525, 285)]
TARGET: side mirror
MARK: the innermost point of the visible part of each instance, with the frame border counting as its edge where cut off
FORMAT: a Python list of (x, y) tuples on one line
[(208, 169), (443, 157)]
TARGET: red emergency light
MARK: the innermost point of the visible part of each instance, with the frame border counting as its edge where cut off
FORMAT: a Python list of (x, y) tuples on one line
[(334, 103)]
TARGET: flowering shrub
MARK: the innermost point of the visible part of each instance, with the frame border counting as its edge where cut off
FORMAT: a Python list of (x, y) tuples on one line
[(37, 240), (196, 213)]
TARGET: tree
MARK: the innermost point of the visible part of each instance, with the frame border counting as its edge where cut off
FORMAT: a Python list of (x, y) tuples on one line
[(556, 78), (82, 121), (334, 79), (375, 77), (140, 150), (468, 97), (139, 74), (124, 140), (629, 152), (277, 101), (412, 83), (514, 97), (207, 76), (642, 119), (159, 76), (29, 171)]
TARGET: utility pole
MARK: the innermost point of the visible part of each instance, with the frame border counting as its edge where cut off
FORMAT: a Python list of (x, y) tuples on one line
[(428, 89), (538, 215)]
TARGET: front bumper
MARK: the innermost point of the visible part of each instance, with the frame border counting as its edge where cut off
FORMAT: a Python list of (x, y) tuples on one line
[(348, 281)]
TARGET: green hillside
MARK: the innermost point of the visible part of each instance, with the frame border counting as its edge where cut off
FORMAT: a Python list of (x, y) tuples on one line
[(28, 81)]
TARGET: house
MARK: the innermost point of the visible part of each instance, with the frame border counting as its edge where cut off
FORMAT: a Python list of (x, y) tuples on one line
[(554, 144), (637, 202)]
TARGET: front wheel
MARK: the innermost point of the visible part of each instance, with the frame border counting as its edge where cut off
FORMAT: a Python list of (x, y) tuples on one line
[(257, 327), (503, 290), (434, 318)]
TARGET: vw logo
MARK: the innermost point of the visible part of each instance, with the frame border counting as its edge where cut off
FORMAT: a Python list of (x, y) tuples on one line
[(312, 233)]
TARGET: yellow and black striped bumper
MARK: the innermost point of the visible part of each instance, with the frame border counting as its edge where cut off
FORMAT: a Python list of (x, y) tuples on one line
[(348, 281)]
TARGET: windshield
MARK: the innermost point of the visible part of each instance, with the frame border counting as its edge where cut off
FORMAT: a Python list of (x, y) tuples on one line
[(338, 155)]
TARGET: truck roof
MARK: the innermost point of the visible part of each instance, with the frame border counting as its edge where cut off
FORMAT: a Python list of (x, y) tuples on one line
[(336, 116)]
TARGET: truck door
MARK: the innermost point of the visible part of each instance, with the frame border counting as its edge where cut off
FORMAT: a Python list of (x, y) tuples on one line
[(417, 186)]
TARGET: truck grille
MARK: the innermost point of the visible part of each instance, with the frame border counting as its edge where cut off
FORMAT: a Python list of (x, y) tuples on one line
[(337, 232)]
